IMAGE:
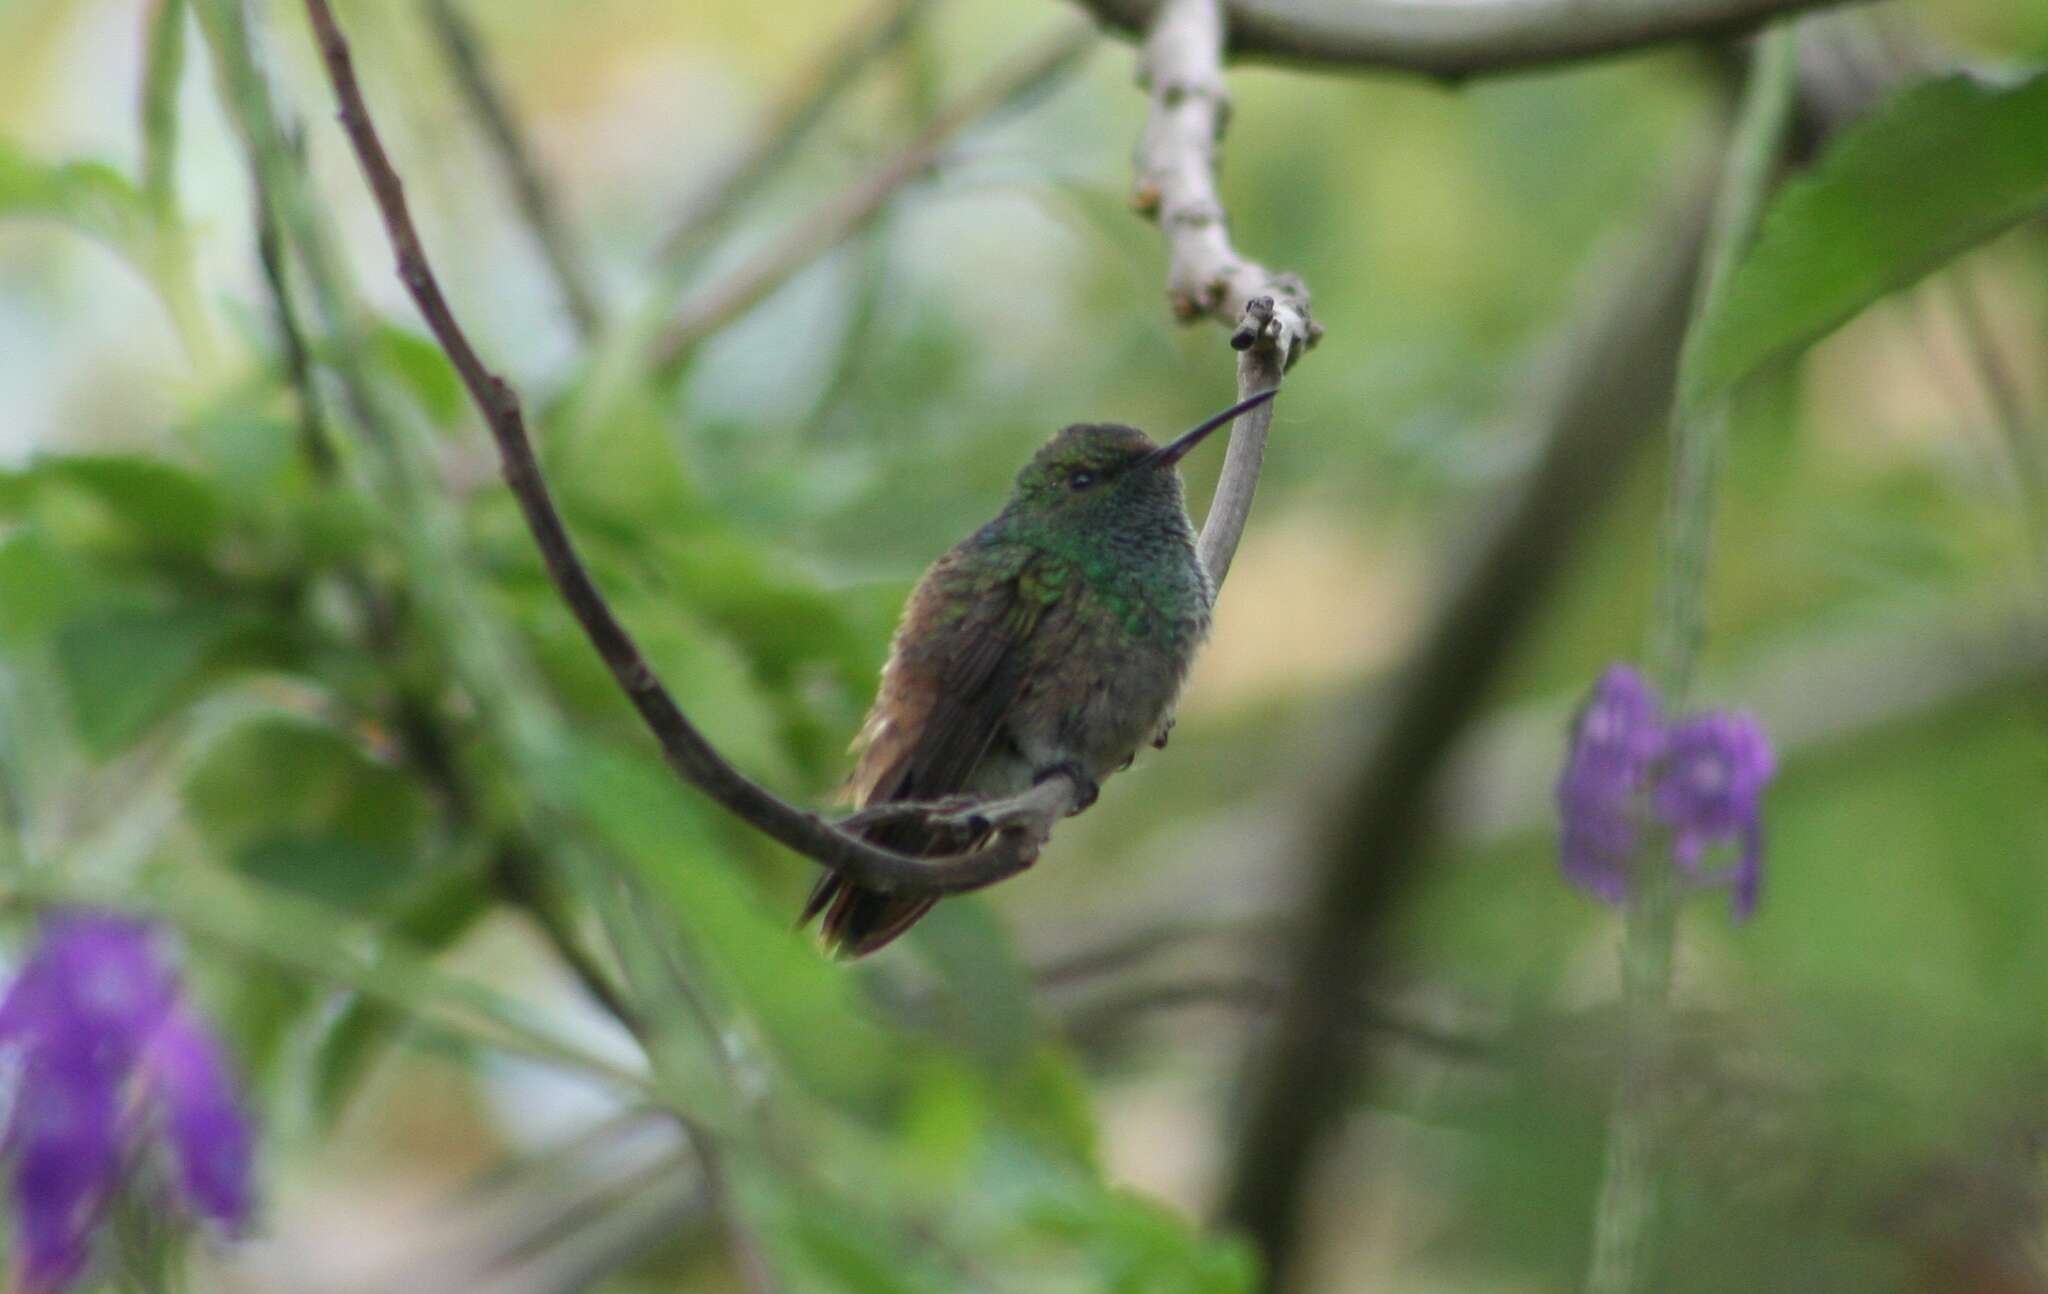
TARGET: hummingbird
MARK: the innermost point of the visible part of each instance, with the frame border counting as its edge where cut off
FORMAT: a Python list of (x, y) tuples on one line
[(1053, 641)]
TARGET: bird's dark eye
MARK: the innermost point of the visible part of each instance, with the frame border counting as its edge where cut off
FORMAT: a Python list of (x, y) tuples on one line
[(1080, 480)]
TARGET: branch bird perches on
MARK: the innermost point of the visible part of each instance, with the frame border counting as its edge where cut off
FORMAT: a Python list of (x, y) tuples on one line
[(1021, 823)]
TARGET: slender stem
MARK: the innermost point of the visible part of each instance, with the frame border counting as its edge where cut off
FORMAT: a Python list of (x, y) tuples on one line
[(2007, 404), (316, 441), (467, 58), (854, 207), (162, 72), (1624, 1226), (521, 883), (1679, 625), (802, 105)]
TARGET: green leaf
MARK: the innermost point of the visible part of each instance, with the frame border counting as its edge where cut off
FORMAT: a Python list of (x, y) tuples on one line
[(293, 778), (352, 875), (127, 668), (422, 369), (985, 990), (39, 586), (804, 1007), (305, 939), (1139, 1247), (161, 503), (443, 910), (1938, 170), (91, 198), (101, 203)]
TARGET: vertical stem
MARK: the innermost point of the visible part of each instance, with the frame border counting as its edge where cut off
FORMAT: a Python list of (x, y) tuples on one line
[(2007, 405), (1625, 1216), (162, 69), (1679, 625), (1624, 1224)]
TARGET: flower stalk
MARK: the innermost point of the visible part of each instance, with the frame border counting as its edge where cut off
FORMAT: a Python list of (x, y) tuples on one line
[(1626, 1213)]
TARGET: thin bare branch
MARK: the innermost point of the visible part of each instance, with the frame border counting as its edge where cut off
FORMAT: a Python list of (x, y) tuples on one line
[(1454, 39), (801, 106), (543, 214), (1028, 820), (315, 439), (1181, 69), (852, 208)]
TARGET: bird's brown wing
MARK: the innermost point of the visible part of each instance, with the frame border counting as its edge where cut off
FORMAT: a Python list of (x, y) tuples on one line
[(954, 672)]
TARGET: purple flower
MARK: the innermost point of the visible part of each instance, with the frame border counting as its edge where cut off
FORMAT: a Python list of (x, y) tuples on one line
[(1701, 778), (106, 1053), (1617, 737), (1711, 792)]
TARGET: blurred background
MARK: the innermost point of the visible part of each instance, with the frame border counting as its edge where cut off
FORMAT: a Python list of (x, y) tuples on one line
[(295, 703)]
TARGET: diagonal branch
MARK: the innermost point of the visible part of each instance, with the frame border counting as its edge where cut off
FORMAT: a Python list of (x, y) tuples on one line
[(847, 211), (1453, 39), (801, 106), (1181, 69), (543, 214), (1024, 823)]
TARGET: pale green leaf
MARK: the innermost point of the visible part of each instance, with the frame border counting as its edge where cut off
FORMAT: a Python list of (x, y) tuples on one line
[(1938, 170), (91, 198)]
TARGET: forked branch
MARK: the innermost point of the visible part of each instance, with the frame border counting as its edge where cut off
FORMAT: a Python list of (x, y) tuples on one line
[(1023, 824)]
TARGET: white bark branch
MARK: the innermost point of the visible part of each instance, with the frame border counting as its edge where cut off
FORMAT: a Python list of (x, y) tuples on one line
[(1460, 38), (1181, 68)]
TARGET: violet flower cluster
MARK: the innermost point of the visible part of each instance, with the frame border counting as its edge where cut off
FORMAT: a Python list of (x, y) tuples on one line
[(1701, 777), (105, 1059)]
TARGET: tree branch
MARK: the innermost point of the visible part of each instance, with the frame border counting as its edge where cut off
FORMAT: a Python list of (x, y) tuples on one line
[(1025, 822), (1181, 69), (768, 269), (1611, 397), (465, 55), (1454, 39)]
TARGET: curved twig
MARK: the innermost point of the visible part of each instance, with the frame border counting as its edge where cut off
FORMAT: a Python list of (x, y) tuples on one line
[(1454, 39), (1027, 820)]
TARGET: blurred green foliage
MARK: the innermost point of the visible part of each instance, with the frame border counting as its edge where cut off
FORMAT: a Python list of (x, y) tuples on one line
[(233, 693)]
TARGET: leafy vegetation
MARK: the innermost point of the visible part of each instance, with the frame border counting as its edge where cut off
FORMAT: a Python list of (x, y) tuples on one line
[(280, 669)]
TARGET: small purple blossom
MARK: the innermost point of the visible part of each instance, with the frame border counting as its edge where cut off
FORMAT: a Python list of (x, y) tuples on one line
[(1617, 737), (1702, 778), (106, 1054)]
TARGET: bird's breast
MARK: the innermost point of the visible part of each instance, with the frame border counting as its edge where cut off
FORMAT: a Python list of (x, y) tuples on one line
[(1111, 657)]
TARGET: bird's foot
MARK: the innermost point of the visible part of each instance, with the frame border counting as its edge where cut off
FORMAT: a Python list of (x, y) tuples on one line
[(1085, 787), (955, 823)]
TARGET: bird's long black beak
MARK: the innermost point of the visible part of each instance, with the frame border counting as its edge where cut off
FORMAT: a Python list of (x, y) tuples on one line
[(1174, 450)]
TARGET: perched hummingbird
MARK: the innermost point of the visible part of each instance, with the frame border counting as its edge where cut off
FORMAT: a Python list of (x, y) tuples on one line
[(1051, 641)]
